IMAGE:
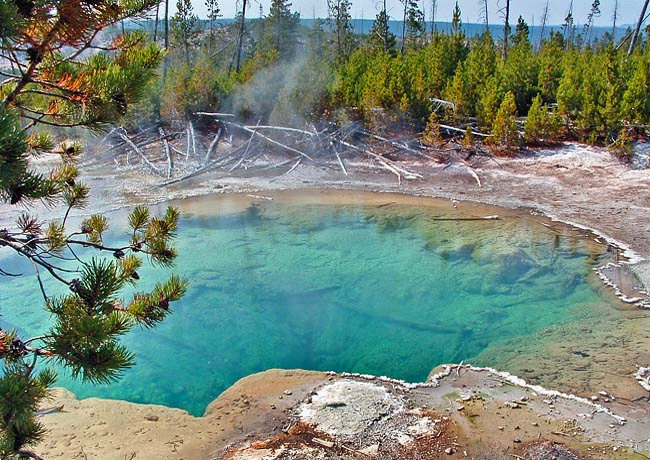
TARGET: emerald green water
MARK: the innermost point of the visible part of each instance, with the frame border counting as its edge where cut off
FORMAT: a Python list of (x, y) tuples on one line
[(389, 290)]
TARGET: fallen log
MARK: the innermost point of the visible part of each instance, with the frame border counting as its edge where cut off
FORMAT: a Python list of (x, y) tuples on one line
[(384, 161), (201, 170), (288, 172), (215, 114), (170, 160), (193, 139), (213, 145), (272, 141), (125, 137), (248, 146), (459, 130)]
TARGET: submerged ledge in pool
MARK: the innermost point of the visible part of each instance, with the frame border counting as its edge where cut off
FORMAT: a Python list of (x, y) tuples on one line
[(371, 283)]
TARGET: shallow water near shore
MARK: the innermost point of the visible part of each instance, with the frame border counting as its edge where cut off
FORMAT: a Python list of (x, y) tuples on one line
[(361, 283)]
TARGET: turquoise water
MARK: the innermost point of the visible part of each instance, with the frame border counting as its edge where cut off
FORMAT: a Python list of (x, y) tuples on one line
[(387, 290)]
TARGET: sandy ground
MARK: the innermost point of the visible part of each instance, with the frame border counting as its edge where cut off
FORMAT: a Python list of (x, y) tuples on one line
[(577, 184), (117, 430)]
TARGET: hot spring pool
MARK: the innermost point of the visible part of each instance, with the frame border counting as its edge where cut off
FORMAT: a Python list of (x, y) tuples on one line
[(365, 283)]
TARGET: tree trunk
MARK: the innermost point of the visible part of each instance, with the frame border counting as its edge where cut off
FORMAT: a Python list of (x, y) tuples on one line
[(485, 15), (506, 30), (166, 24), (155, 29), (240, 42), (404, 25), (434, 4), (544, 21), (614, 18), (635, 37)]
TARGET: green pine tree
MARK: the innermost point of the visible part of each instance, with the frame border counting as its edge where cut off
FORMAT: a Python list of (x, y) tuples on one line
[(415, 26), (282, 28), (184, 28), (468, 142), (636, 99), (341, 19), (432, 135), (214, 13), (55, 86), (504, 129), (536, 127), (490, 97), (380, 35)]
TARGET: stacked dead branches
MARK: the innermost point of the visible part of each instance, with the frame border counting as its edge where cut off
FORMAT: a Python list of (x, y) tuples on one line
[(232, 148)]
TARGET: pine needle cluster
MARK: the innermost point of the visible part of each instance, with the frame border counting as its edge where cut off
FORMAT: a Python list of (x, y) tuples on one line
[(64, 71)]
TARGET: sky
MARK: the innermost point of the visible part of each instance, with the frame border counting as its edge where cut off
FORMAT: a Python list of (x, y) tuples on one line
[(531, 10)]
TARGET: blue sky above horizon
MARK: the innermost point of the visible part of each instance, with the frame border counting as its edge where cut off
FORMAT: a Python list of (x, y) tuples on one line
[(531, 10)]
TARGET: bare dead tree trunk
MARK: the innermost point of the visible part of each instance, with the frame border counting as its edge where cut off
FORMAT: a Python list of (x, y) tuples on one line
[(155, 29), (240, 40), (213, 146), (614, 18), (404, 25), (544, 21), (506, 30), (637, 29), (166, 24), (484, 13), (122, 133), (170, 159), (434, 7)]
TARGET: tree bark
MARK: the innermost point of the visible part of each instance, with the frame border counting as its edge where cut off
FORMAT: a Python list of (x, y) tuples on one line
[(404, 25), (486, 18), (240, 40), (506, 30), (637, 29), (155, 29), (544, 21), (166, 24)]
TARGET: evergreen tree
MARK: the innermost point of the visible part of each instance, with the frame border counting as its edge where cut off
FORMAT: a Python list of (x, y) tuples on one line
[(431, 135), (184, 27), (380, 34), (623, 147), (636, 99), (456, 21), (317, 39), (536, 127), (415, 26), (460, 93), (339, 11), (569, 94), (613, 91), (520, 70), (282, 27), (521, 31), (468, 142), (504, 129), (55, 87), (477, 69), (550, 66), (490, 97), (214, 13)]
